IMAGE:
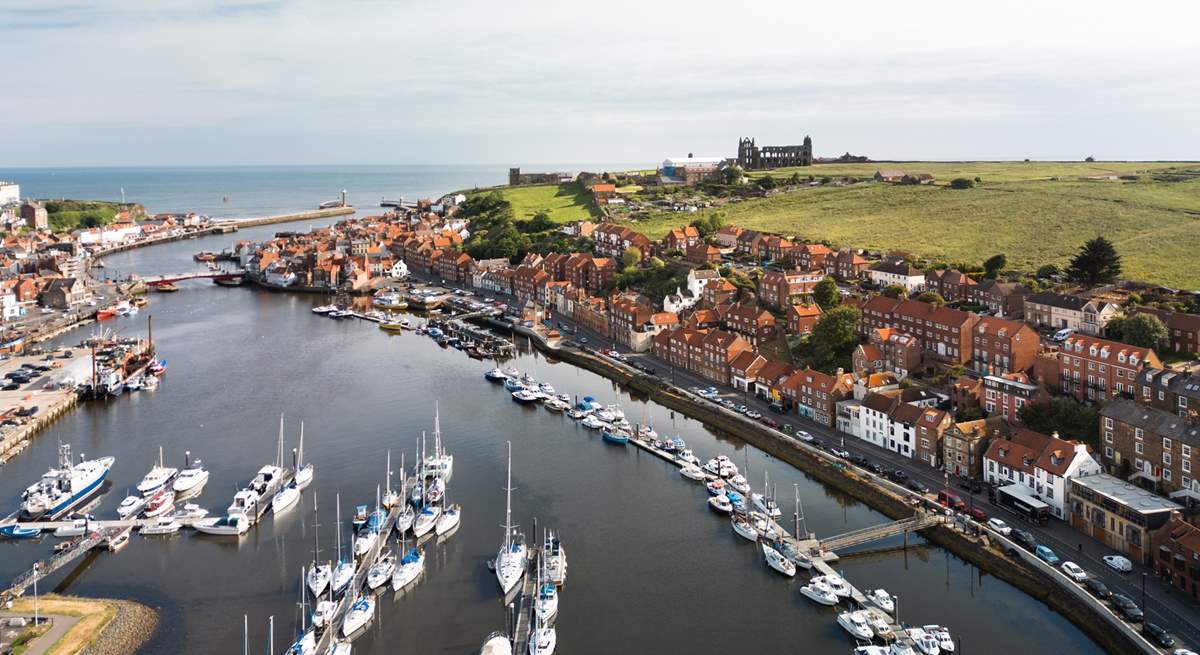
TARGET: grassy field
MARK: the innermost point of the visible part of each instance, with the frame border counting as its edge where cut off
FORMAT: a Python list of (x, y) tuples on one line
[(1035, 213), (564, 203), (93, 616)]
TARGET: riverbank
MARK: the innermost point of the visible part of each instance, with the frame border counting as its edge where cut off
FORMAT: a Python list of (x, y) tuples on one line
[(1080, 609), (103, 626)]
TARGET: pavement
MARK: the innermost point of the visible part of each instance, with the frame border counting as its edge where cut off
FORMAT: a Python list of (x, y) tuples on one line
[(61, 626)]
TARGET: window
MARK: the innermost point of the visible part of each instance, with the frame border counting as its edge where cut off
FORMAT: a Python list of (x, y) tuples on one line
[(1161, 395), (1166, 474), (1185, 450), (1137, 448), (1108, 422), (1166, 443), (1186, 466), (1145, 392), (1166, 459), (1108, 453), (1137, 433), (1108, 438)]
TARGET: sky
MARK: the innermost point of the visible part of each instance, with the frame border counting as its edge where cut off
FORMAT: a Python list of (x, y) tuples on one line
[(228, 82)]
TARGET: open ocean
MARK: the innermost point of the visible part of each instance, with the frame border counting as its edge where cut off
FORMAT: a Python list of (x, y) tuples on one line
[(250, 191)]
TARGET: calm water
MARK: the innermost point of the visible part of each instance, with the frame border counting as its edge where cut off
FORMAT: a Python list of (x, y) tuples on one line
[(244, 191), (652, 569)]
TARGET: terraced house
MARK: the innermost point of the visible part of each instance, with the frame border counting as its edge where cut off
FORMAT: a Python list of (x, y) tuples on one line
[(780, 289), (1183, 330), (1057, 311), (707, 353), (815, 395), (1157, 449), (748, 320), (999, 346), (1094, 369), (1042, 464), (944, 333)]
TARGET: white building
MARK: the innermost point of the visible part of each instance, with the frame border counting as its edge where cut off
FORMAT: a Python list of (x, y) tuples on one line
[(9, 307), (1043, 465), (398, 270), (901, 273), (108, 235), (10, 193)]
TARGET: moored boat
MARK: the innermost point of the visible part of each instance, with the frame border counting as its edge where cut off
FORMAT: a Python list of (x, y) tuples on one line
[(819, 593), (358, 616), (232, 525), (856, 624), (777, 561), (62, 489), (412, 565), (164, 525)]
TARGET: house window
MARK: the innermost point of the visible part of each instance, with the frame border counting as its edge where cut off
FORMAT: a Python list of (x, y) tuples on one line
[(1167, 459), (1166, 474), (1186, 466), (1137, 448), (1161, 395), (1166, 443), (1108, 422), (1108, 453), (1137, 433), (1185, 450), (1108, 438)]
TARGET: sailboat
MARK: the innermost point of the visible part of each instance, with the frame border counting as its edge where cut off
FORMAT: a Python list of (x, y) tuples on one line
[(542, 639), (412, 565), (369, 534), (407, 515), (555, 558), (304, 472), (306, 644), (425, 520), (319, 573), (448, 522), (390, 497), (325, 610), (511, 559), (358, 616), (545, 605), (159, 476), (381, 571), (497, 643), (440, 464), (343, 573)]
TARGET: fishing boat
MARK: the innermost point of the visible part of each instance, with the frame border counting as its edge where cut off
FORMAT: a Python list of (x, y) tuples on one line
[(131, 505), (14, 531), (381, 571), (715, 487), (62, 489), (820, 593), (881, 599), (497, 643), (159, 476), (190, 511), (358, 616), (449, 520), (162, 502), (234, 524), (777, 561), (119, 540), (286, 498), (412, 565), (856, 624), (743, 528), (191, 480), (163, 526), (554, 557), (510, 561), (615, 436), (721, 504), (344, 571), (692, 472)]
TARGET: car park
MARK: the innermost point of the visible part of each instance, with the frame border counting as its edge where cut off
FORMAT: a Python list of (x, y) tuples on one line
[(1158, 635), (1025, 539), (1126, 607), (1118, 563), (1098, 588), (1073, 571), (999, 526), (1046, 554)]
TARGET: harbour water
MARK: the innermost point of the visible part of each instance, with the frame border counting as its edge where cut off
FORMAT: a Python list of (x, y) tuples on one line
[(652, 569)]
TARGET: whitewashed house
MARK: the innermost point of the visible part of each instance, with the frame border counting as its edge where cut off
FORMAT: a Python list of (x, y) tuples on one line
[(1042, 464)]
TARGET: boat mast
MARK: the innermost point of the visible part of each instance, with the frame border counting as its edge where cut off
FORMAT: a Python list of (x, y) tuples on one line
[(339, 527), (316, 540), (303, 600), (508, 527), (279, 448), (300, 450), (437, 430)]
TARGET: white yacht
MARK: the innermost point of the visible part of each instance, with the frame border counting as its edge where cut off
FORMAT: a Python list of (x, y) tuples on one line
[(720, 466), (62, 489), (162, 502), (319, 573), (448, 521), (881, 599), (778, 562), (879, 625), (720, 503), (744, 528), (511, 560), (358, 616), (592, 422), (191, 480), (234, 525), (426, 520), (496, 643), (159, 476), (190, 511), (164, 525), (925, 642), (130, 506), (381, 571), (412, 565), (856, 624), (836, 583), (343, 571), (692, 472), (942, 634), (77, 528), (285, 499), (819, 593)]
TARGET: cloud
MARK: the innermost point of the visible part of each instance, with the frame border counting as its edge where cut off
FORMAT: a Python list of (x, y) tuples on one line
[(463, 81)]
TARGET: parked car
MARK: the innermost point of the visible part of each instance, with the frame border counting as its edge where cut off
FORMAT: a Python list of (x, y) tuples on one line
[(839, 452), (1074, 572), (769, 422), (999, 526), (776, 408), (1158, 635), (12, 386), (917, 486), (742, 409), (947, 499), (1063, 334), (977, 514), (897, 476), (860, 460), (1118, 563), (804, 436), (1098, 588), (1127, 608), (969, 484), (875, 468), (1025, 538), (1046, 554)]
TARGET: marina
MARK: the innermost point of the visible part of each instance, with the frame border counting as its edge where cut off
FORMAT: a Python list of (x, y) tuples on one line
[(565, 476)]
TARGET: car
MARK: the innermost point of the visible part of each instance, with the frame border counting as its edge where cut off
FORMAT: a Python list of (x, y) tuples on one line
[(860, 460), (12, 386), (1025, 539), (947, 499), (776, 408), (1046, 554), (1126, 607), (897, 476), (1098, 588), (753, 415), (999, 526), (742, 409), (729, 404), (804, 436), (915, 485), (1063, 334), (875, 467), (9, 376), (1118, 563), (583, 340), (769, 422), (977, 514), (1073, 571), (1158, 635), (839, 452), (1183, 651)]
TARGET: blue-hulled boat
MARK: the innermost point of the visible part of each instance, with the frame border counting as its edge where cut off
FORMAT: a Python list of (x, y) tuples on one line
[(15, 531), (737, 500), (513, 384), (615, 436)]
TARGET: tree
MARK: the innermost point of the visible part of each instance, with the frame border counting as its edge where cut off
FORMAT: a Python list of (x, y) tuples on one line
[(961, 183), (1144, 330), (794, 180), (993, 266), (1048, 271), (895, 291), (631, 257), (834, 337), (932, 297), (766, 182), (826, 294), (733, 175), (1096, 263), (1063, 415)]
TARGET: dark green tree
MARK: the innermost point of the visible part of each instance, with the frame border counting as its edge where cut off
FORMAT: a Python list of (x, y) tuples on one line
[(1063, 415), (766, 182), (834, 337), (733, 175), (1144, 330), (993, 266), (895, 291), (1047, 271), (932, 297), (826, 294), (1096, 263), (961, 183), (631, 257)]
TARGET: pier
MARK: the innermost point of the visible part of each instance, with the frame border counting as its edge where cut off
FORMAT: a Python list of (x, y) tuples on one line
[(160, 280), (239, 223), (83, 544), (525, 603)]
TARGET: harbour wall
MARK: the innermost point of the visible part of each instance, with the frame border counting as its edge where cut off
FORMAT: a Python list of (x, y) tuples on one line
[(287, 218)]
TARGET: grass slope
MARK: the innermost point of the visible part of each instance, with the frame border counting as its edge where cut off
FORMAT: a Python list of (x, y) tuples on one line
[(93, 615), (563, 203), (1034, 213)]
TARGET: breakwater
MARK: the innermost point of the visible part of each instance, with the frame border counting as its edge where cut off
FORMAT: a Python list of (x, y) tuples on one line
[(241, 223)]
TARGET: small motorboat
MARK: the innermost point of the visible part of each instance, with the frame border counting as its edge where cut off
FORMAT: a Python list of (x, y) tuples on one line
[(234, 525), (162, 502), (542, 641), (692, 472), (513, 384), (159, 476), (448, 521), (119, 540), (942, 634), (14, 531), (715, 487), (856, 624), (381, 571), (411, 567), (164, 525), (130, 506), (744, 528), (78, 527), (739, 483), (360, 517), (820, 593), (736, 500), (837, 584), (881, 599), (323, 309), (720, 466), (925, 642), (191, 480), (879, 625), (426, 520), (686, 455), (525, 397), (555, 405), (778, 562), (591, 422), (190, 511), (720, 504), (495, 375), (358, 616)]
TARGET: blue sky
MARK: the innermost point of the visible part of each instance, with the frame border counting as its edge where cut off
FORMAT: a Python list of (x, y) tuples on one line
[(364, 81)]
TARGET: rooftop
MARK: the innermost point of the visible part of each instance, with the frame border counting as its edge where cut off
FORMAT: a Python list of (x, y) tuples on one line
[(1129, 495)]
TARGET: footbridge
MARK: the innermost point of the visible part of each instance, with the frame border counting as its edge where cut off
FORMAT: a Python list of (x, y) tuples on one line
[(876, 532), (159, 280)]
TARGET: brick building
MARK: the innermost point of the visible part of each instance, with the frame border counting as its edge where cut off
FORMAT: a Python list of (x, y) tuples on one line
[(1000, 346)]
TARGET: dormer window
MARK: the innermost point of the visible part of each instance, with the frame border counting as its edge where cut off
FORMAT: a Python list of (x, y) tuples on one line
[(1079, 347), (1133, 359), (1092, 351), (1121, 357)]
